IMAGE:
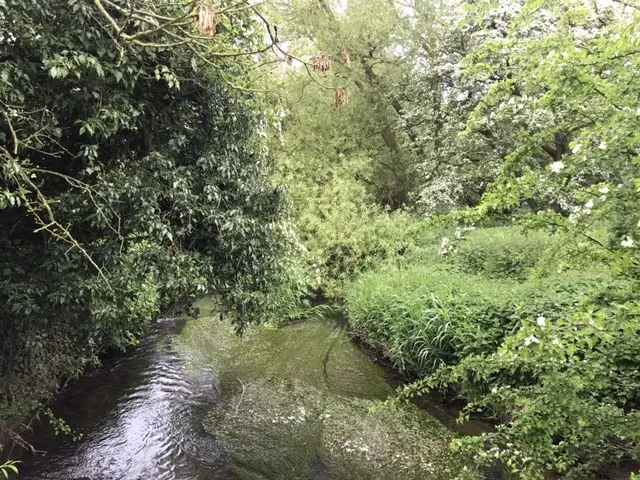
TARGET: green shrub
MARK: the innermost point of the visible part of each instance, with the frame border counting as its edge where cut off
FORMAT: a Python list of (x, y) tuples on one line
[(502, 252), (567, 392), (348, 240), (553, 360), (424, 318)]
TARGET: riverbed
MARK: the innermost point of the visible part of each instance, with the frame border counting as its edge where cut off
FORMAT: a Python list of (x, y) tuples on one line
[(194, 401)]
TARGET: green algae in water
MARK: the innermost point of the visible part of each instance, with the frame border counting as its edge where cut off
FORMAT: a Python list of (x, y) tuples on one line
[(300, 396)]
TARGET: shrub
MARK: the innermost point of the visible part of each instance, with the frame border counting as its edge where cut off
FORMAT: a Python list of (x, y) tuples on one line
[(566, 392), (349, 240), (424, 318), (501, 252), (553, 360)]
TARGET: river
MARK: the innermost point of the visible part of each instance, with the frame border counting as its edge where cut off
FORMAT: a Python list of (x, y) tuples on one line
[(196, 402)]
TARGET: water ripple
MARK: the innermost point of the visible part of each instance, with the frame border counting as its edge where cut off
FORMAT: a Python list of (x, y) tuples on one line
[(149, 422)]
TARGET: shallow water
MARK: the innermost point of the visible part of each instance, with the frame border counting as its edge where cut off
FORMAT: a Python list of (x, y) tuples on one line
[(194, 401)]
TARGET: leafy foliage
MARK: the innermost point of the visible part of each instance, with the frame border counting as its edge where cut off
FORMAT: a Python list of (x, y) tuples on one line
[(567, 390), (501, 252), (130, 179), (508, 348), (9, 467), (424, 318)]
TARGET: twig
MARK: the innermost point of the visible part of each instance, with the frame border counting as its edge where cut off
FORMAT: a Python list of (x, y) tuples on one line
[(13, 133), (241, 396), (67, 236), (276, 45)]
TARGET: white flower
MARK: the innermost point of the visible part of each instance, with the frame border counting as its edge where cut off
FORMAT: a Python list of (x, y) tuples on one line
[(573, 219), (638, 223), (445, 242), (541, 321), (494, 390), (627, 242), (589, 205), (529, 340), (556, 342), (556, 167), (603, 146), (604, 190), (577, 148)]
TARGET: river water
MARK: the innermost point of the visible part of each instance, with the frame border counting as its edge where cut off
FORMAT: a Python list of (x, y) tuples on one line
[(196, 402)]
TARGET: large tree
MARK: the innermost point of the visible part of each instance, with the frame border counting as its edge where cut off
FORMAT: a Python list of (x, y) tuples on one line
[(130, 177)]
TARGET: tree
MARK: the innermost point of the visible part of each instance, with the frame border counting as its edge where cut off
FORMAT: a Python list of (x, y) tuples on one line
[(561, 76), (130, 177), (360, 46)]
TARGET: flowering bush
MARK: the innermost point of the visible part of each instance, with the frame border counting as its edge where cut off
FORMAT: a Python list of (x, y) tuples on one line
[(562, 78), (565, 392), (553, 360)]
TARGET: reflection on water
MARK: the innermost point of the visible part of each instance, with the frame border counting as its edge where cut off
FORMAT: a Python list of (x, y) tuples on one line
[(197, 402), (137, 414)]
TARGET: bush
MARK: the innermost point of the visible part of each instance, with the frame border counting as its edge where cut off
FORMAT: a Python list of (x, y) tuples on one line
[(348, 240), (567, 392), (553, 360), (501, 252), (424, 318)]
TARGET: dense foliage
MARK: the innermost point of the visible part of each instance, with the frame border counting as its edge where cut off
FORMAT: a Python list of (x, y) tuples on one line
[(433, 314), (131, 178), (462, 175), (507, 346), (491, 113)]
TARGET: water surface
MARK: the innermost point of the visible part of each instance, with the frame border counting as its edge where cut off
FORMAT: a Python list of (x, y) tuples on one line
[(196, 402)]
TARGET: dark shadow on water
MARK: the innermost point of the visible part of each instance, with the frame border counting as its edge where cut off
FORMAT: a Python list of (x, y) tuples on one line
[(444, 409), (320, 471)]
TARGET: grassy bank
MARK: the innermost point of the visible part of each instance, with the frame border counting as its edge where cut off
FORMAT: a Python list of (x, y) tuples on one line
[(528, 346)]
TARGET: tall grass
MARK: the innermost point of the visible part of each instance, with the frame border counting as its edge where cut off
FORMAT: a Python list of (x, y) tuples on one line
[(425, 317)]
